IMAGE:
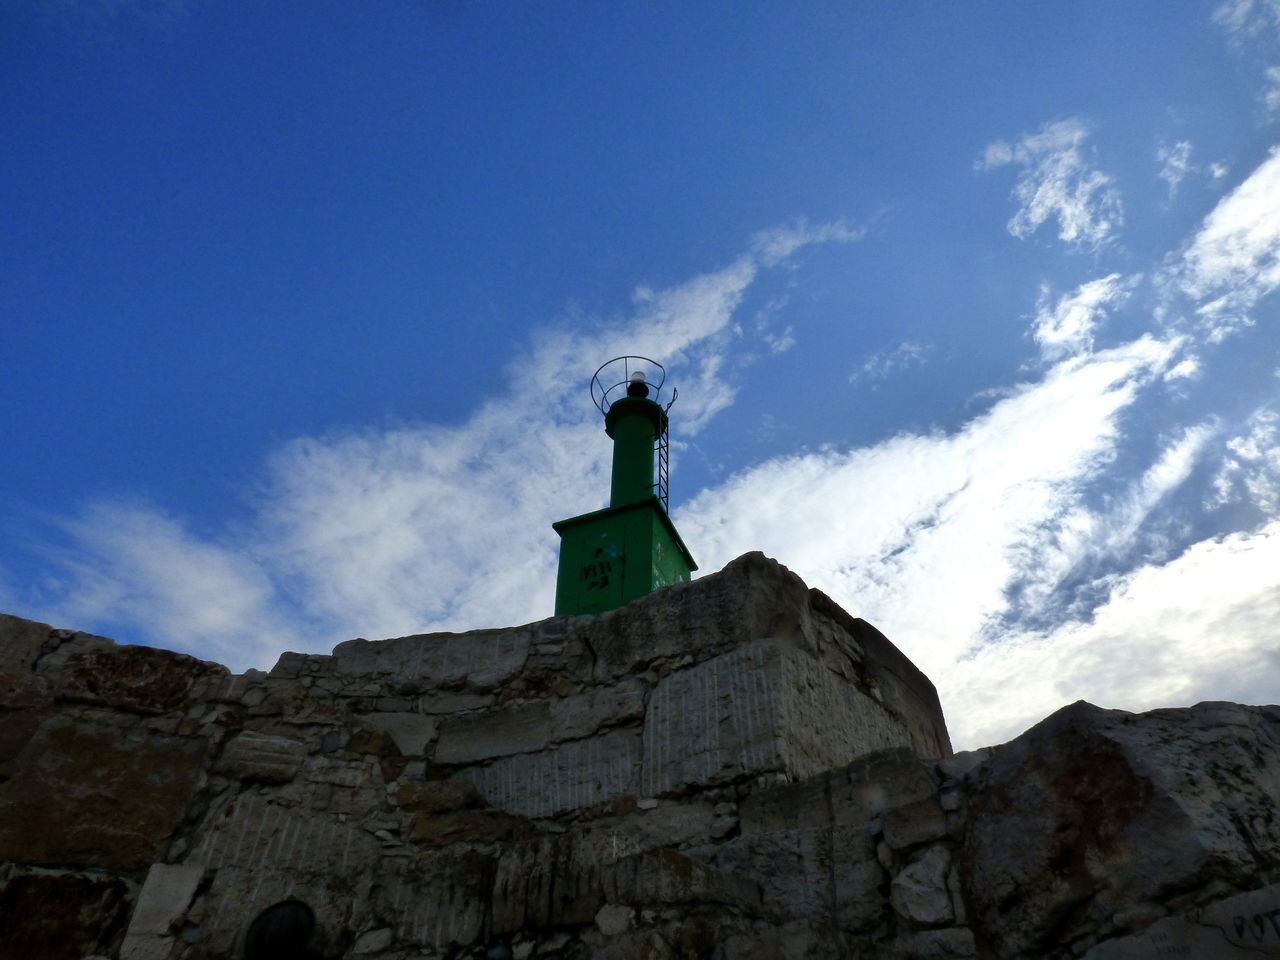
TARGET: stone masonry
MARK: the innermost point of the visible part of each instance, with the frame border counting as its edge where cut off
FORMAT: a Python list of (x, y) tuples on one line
[(729, 769)]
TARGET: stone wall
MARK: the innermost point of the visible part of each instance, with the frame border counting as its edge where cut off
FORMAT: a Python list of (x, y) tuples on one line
[(731, 769)]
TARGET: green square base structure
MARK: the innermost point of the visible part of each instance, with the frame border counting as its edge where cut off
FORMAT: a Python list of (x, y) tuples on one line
[(613, 556)]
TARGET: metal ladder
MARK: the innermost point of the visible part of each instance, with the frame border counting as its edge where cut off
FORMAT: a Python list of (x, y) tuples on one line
[(663, 446)]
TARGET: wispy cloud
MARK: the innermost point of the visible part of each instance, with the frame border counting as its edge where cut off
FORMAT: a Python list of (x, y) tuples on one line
[(1175, 164), (1259, 21), (384, 532), (1250, 470), (776, 244), (130, 563), (931, 531), (1271, 93), (971, 548), (1188, 368), (1088, 539), (1198, 627), (1243, 19), (1058, 181), (1233, 260), (891, 360), (1066, 328)]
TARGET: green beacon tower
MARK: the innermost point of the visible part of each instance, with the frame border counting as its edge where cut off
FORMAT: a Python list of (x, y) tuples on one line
[(613, 556)]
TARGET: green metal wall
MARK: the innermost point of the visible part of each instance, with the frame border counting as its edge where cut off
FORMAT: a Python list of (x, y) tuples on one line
[(616, 555)]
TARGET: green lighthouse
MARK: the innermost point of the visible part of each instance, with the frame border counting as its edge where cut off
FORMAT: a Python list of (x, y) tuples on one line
[(613, 556)]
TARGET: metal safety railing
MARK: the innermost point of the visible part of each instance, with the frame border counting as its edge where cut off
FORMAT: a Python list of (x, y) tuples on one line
[(612, 380)]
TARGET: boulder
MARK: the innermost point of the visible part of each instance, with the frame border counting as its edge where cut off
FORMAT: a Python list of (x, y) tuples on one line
[(97, 796), (1093, 812)]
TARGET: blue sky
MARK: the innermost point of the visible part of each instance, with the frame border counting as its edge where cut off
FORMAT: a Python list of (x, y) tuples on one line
[(971, 309)]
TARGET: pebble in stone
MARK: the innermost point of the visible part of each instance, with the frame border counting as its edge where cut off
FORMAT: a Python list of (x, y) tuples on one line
[(612, 919)]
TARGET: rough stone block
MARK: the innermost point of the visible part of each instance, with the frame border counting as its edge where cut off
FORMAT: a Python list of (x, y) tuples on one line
[(436, 901), (758, 708), (25, 701), (613, 919), (495, 733), (438, 796), (21, 690), (814, 872), (826, 721), (471, 826), (713, 722), (141, 679), (162, 901), (570, 776), (67, 644), (411, 732), (454, 702), (790, 806), (288, 666), (548, 881), (340, 773), (262, 758), (955, 943), (483, 659), (259, 852), (894, 681), (752, 598), (580, 716), (919, 892), (665, 876), (675, 825), (916, 823), (252, 834), (1246, 925), (90, 795), (21, 642), (882, 782), (60, 915)]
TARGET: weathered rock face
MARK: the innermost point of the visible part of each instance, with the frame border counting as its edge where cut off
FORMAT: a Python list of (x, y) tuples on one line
[(1094, 820), (732, 768)]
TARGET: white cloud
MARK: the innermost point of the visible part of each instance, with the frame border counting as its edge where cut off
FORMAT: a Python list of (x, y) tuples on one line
[(1246, 20), (1271, 95), (1187, 368), (135, 565), (776, 342), (1201, 626), (1175, 164), (778, 243), (1058, 181), (1218, 170), (1243, 19), (923, 535), (388, 532), (1250, 471), (1067, 327), (1233, 261), (433, 528), (780, 342), (885, 363), (1088, 536), (952, 543)]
